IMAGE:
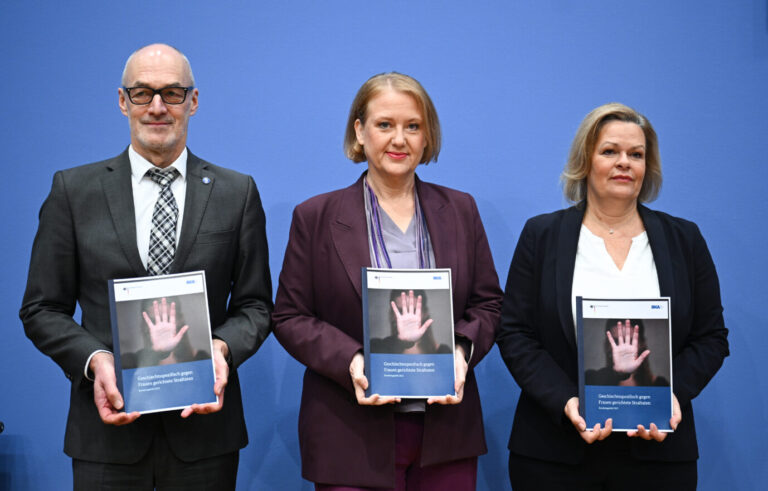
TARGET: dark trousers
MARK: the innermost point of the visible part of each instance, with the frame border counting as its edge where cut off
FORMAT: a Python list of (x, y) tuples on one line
[(607, 466), (159, 469)]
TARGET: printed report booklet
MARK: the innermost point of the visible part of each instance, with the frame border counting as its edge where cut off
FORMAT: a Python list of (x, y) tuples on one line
[(408, 331), (162, 343), (625, 362)]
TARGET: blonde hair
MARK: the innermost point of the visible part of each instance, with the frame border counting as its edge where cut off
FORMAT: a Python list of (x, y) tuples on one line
[(400, 83), (574, 176)]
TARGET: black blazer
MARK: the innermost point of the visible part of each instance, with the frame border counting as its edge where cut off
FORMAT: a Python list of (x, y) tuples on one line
[(538, 343), (87, 235)]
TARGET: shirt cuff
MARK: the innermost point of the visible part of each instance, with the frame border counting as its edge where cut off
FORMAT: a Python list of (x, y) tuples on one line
[(86, 371)]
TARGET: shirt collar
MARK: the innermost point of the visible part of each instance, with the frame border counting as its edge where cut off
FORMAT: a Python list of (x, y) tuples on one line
[(140, 165)]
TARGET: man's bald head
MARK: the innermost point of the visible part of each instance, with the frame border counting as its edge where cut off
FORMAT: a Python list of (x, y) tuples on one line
[(158, 128), (157, 52)]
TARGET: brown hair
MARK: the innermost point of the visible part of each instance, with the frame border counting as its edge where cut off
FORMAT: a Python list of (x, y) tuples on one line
[(400, 83)]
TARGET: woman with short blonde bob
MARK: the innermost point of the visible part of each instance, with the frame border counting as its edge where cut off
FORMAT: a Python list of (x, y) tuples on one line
[(389, 218), (608, 245)]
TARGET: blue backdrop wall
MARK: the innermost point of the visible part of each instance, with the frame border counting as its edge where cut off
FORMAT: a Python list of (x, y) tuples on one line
[(511, 81)]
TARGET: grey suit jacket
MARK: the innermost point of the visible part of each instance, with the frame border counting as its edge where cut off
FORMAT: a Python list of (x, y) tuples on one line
[(87, 235)]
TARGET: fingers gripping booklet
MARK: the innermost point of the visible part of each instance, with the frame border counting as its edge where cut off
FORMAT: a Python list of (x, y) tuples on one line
[(408, 332), (625, 362), (161, 333)]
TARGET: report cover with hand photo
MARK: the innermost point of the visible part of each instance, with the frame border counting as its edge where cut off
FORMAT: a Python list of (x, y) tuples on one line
[(625, 362), (408, 330), (162, 342)]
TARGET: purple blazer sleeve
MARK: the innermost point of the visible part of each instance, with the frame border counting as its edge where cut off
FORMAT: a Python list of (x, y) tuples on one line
[(321, 346), (478, 318)]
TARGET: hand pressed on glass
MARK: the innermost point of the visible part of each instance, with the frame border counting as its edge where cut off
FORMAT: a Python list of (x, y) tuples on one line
[(409, 325), (625, 347), (162, 331)]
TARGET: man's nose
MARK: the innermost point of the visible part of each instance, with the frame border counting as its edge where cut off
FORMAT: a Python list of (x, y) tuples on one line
[(156, 105)]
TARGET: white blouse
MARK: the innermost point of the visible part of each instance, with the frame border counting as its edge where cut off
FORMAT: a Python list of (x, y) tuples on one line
[(596, 275)]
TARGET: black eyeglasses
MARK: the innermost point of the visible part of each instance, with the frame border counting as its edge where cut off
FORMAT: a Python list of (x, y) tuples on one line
[(144, 95)]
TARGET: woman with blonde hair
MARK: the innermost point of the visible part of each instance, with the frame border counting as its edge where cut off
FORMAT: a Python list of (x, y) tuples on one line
[(389, 218), (608, 245)]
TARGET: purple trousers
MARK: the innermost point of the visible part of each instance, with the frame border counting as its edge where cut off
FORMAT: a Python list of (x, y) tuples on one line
[(458, 475)]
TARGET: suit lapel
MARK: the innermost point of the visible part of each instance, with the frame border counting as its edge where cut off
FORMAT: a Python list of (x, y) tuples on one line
[(198, 194), (441, 226), (567, 245), (118, 191), (349, 233), (660, 249)]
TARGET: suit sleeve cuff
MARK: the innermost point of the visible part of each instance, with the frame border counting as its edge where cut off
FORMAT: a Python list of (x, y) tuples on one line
[(86, 370), (228, 358), (467, 344)]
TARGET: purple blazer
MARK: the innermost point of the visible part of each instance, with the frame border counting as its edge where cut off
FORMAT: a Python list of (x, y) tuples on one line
[(318, 319)]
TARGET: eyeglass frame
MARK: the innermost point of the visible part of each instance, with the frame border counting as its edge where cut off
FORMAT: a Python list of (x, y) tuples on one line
[(157, 92)]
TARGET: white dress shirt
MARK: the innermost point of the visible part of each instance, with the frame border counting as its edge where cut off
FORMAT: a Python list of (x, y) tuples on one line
[(596, 275), (145, 195)]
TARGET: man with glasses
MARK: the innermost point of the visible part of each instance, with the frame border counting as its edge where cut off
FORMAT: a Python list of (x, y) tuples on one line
[(154, 209)]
